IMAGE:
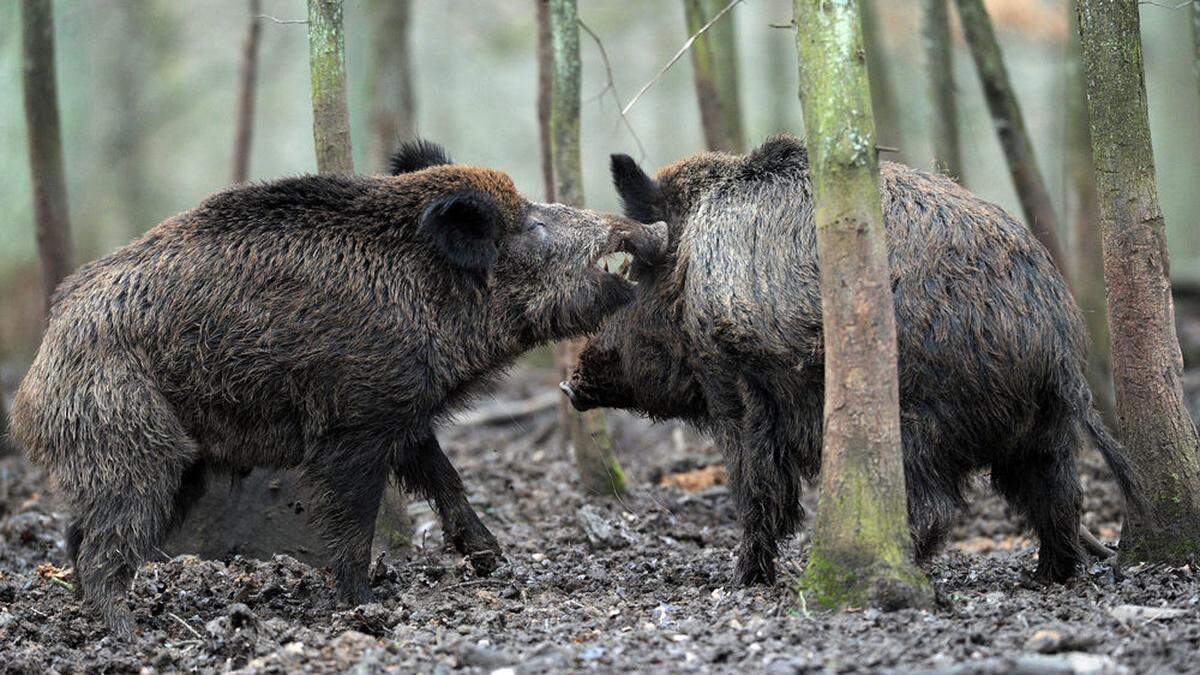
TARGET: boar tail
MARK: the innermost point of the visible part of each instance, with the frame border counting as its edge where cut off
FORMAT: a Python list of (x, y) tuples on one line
[(1114, 456)]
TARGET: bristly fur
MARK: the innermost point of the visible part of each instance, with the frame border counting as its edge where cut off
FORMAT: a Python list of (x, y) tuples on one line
[(310, 322), (991, 347), (464, 227), (417, 154), (640, 195)]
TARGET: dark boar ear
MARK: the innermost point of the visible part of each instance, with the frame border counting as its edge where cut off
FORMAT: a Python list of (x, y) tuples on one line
[(417, 154), (464, 227), (641, 197)]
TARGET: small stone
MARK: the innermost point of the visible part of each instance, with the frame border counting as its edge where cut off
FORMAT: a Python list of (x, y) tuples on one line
[(1045, 641)]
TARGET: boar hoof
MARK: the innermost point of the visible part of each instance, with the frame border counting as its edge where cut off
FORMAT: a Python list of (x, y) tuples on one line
[(359, 594), (120, 622), (485, 561), (753, 570)]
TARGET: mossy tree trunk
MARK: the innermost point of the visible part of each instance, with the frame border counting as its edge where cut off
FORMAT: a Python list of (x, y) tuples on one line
[(1010, 127), (393, 104), (939, 63), (862, 550), (888, 132), (246, 91), (1083, 217), (1147, 365), (586, 434), (45, 144), (715, 70), (327, 60), (331, 132)]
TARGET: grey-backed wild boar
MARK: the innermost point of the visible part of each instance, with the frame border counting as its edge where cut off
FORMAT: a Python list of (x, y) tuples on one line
[(726, 332), (321, 322)]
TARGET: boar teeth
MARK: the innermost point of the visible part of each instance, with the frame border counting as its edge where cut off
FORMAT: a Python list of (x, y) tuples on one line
[(616, 263)]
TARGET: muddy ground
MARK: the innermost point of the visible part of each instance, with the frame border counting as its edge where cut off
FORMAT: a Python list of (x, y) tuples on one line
[(640, 584)]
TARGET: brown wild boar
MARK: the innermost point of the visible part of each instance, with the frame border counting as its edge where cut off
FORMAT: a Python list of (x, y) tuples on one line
[(322, 322)]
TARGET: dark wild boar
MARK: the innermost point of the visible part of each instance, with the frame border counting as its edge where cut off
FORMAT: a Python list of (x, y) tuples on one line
[(321, 322), (726, 333)]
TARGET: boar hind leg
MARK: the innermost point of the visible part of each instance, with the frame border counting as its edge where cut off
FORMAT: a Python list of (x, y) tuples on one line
[(1040, 480), (122, 487), (347, 480), (423, 468)]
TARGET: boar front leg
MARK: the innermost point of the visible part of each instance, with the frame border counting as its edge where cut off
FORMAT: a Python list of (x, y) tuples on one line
[(423, 468), (764, 477), (347, 476)]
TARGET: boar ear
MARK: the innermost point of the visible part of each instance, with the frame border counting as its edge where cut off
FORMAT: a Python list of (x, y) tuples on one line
[(415, 155), (464, 227), (641, 197)]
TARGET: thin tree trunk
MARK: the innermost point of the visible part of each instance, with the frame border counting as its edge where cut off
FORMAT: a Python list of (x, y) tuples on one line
[(331, 117), (715, 67), (1083, 215), (393, 111), (883, 94), (1196, 40), (1147, 365), (862, 550), (45, 144), (939, 61), (545, 57), (246, 87), (1010, 127), (586, 433)]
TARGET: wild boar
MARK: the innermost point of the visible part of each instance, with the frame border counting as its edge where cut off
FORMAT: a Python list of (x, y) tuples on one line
[(726, 333)]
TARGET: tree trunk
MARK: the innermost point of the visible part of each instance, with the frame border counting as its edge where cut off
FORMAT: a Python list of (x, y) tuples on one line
[(393, 105), (939, 62), (883, 96), (1147, 365), (862, 550), (246, 91), (1084, 217), (331, 117), (1010, 127), (586, 433), (45, 144), (715, 67), (545, 72)]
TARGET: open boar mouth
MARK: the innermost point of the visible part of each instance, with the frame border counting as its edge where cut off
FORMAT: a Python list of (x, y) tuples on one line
[(618, 264)]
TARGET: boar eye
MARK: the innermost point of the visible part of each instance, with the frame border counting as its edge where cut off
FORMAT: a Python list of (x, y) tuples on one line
[(536, 228)]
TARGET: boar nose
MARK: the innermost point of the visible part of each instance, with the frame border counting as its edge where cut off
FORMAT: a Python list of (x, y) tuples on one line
[(573, 396), (647, 243)]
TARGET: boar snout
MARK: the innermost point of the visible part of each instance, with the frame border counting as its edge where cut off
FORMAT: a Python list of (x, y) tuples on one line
[(646, 243)]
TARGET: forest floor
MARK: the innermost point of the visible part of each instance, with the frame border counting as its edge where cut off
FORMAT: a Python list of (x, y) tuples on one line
[(640, 584)]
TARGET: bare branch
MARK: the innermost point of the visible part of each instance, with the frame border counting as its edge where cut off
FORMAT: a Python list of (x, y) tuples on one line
[(280, 21), (611, 85), (682, 50)]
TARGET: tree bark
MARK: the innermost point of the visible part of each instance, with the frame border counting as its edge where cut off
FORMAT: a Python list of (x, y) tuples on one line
[(1010, 127), (939, 62), (45, 144), (883, 95), (545, 67), (393, 104), (586, 433), (1147, 365), (715, 68), (331, 117), (1083, 216), (862, 550), (246, 92)]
